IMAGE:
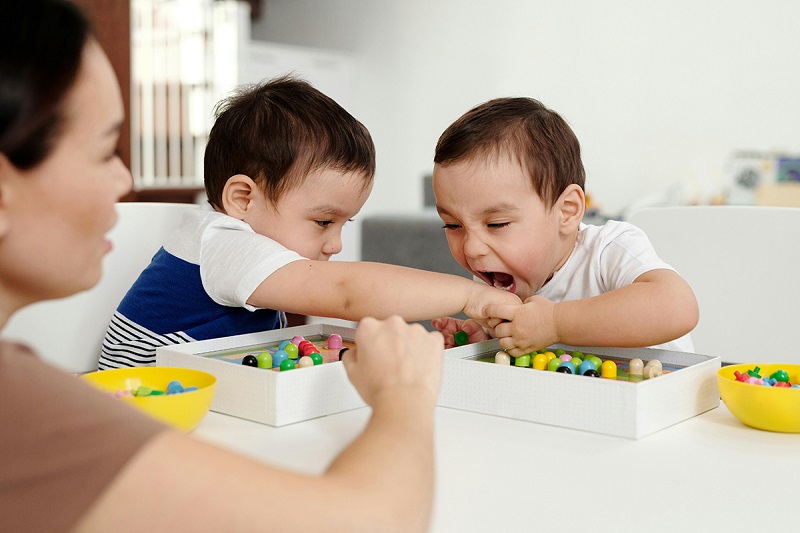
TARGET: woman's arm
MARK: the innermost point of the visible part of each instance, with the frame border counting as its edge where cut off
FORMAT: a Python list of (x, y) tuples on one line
[(383, 481)]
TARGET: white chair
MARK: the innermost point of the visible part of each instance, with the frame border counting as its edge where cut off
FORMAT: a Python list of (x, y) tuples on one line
[(743, 264), (69, 332)]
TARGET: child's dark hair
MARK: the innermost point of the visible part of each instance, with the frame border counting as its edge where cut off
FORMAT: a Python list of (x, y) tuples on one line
[(41, 49), (536, 136), (276, 132)]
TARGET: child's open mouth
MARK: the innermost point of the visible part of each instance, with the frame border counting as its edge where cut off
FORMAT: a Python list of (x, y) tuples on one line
[(500, 280)]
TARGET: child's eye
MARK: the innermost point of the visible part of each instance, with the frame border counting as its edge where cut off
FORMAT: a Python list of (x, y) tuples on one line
[(324, 223), (498, 225), (451, 226)]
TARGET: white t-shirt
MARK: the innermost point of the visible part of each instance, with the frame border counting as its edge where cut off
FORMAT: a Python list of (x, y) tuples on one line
[(210, 239), (606, 258), (195, 288)]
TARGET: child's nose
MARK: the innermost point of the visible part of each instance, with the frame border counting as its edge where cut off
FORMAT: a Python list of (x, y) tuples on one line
[(474, 246), (333, 245)]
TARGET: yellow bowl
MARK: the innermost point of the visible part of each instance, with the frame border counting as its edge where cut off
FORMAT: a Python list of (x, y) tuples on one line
[(183, 411), (769, 408)]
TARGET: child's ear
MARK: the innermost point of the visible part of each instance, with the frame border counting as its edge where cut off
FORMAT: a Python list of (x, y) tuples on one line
[(571, 205), (238, 195)]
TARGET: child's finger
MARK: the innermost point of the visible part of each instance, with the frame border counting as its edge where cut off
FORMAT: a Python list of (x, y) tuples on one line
[(503, 329), (506, 312), (494, 322)]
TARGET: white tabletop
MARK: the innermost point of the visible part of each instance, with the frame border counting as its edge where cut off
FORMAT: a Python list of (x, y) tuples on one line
[(709, 473)]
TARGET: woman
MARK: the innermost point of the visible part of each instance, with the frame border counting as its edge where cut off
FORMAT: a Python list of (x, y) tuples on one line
[(71, 457)]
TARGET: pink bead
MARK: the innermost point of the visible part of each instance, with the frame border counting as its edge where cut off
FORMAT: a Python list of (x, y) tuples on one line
[(565, 357), (335, 342), (297, 339)]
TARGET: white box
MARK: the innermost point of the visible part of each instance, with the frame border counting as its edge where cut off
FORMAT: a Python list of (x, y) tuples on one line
[(266, 396), (614, 407)]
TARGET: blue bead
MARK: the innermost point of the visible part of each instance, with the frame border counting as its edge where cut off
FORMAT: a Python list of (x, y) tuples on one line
[(174, 387), (586, 365), (278, 357), (284, 344), (567, 367)]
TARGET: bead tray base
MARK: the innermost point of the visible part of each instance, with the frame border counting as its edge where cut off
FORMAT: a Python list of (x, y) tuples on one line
[(614, 407), (267, 396)]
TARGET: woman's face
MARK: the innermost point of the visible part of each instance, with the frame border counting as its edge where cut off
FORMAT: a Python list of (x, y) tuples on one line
[(54, 217)]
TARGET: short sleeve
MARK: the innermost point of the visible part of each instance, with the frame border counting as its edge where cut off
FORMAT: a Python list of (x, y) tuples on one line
[(625, 254), (62, 443), (234, 261)]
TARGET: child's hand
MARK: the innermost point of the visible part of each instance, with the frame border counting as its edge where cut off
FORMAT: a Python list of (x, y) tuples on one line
[(524, 328), (395, 361), (485, 297), (448, 327)]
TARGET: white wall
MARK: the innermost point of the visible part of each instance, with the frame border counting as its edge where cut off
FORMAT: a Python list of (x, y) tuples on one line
[(659, 93)]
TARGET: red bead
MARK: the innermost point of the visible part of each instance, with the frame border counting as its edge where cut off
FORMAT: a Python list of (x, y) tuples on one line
[(307, 349)]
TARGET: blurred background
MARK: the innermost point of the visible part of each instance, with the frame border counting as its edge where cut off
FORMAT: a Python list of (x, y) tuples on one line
[(679, 102)]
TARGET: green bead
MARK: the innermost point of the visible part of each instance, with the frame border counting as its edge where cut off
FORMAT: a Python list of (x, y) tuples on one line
[(553, 364), (523, 360), (291, 350), (143, 391), (264, 360), (461, 338), (316, 357), (578, 354), (576, 361), (559, 352), (780, 375), (287, 364)]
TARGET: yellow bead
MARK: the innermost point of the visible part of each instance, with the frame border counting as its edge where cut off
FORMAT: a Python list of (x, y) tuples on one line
[(540, 361), (608, 370)]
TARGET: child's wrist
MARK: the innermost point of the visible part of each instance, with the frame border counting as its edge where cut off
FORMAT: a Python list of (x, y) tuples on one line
[(556, 323), (474, 290)]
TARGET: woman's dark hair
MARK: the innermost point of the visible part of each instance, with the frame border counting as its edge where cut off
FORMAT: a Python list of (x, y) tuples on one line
[(41, 47)]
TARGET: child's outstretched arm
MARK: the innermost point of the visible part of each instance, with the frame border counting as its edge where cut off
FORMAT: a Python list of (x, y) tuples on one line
[(659, 306), (353, 290)]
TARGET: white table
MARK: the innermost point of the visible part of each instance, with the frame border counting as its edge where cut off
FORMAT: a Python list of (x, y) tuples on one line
[(709, 473)]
